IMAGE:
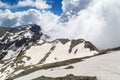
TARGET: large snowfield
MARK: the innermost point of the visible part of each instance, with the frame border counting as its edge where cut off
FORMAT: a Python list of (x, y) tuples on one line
[(104, 67)]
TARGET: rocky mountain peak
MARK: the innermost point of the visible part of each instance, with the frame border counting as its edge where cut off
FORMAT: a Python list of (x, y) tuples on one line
[(19, 38)]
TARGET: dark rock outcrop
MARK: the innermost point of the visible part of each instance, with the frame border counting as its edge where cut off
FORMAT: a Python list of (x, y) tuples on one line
[(3, 30), (68, 77)]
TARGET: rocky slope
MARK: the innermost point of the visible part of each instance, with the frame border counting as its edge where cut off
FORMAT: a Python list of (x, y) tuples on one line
[(15, 40), (68, 77), (23, 51)]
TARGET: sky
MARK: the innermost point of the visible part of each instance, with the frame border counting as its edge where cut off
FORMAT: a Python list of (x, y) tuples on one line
[(97, 21), (56, 6)]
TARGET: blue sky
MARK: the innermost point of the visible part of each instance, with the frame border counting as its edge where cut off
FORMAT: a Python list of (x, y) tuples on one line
[(11, 2), (56, 6)]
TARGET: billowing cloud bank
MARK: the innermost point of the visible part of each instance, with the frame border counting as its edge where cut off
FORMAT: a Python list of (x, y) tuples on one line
[(94, 20), (39, 4)]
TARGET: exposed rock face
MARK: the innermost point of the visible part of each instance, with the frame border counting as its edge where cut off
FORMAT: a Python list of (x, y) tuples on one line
[(68, 77), (19, 38), (90, 46), (75, 43), (3, 30)]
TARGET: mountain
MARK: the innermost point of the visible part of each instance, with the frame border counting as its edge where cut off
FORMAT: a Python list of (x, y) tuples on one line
[(23, 49), (25, 54), (17, 39)]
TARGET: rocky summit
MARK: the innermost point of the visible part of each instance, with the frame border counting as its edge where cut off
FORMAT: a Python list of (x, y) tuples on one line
[(17, 39)]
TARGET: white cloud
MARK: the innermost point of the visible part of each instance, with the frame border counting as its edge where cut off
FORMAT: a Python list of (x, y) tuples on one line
[(74, 4), (97, 21), (39, 4), (72, 7), (44, 18)]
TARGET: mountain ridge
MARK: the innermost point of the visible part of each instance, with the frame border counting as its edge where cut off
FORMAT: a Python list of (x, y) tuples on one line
[(24, 50)]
